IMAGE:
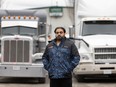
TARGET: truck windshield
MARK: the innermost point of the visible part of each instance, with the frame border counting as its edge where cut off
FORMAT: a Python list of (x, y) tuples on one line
[(14, 30), (99, 27)]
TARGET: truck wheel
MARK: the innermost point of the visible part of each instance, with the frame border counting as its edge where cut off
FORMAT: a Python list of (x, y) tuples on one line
[(80, 78)]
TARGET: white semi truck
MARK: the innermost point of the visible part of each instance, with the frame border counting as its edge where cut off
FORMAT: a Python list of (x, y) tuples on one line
[(94, 34), (21, 48)]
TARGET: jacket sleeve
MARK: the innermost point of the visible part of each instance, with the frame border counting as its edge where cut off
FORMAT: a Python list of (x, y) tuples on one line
[(75, 57), (45, 59)]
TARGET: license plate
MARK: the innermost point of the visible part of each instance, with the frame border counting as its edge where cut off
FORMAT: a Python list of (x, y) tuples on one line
[(16, 67), (107, 72)]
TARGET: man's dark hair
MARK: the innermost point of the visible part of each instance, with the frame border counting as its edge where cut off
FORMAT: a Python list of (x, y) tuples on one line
[(60, 28)]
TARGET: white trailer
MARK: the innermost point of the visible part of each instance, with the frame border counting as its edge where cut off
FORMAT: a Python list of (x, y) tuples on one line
[(21, 49), (95, 34)]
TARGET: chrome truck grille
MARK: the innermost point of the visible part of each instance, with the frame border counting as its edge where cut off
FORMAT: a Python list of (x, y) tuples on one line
[(105, 55), (16, 51)]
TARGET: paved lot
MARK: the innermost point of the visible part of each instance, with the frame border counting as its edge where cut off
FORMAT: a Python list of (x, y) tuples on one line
[(19, 82)]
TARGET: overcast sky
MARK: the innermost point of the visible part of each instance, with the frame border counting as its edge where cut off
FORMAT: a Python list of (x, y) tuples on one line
[(25, 4)]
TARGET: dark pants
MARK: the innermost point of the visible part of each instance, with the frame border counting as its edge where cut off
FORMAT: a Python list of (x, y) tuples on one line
[(64, 82)]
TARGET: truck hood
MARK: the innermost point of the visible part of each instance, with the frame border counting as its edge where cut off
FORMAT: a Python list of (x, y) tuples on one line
[(100, 40)]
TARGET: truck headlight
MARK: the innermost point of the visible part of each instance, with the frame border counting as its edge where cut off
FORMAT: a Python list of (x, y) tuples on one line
[(37, 56), (84, 57)]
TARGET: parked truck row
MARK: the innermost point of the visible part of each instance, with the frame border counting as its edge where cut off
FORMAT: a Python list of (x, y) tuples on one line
[(23, 40)]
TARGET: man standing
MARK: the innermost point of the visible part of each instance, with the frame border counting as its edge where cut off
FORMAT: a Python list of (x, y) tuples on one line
[(60, 58)]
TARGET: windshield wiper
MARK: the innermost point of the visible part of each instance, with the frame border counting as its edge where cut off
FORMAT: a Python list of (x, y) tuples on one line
[(27, 34), (88, 34), (8, 34), (109, 34)]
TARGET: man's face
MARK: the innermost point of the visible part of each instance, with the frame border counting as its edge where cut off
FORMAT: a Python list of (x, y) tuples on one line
[(59, 34)]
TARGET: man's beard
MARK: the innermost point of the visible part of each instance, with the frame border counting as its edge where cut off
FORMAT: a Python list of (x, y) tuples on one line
[(59, 37)]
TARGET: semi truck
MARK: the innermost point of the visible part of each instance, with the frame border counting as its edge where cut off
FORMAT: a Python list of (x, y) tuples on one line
[(22, 46), (94, 33)]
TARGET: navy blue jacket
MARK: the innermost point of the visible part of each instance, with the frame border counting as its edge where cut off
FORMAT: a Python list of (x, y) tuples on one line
[(60, 60)]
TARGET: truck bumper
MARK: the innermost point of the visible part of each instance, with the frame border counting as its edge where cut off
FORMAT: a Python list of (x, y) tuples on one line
[(34, 70), (91, 69)]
